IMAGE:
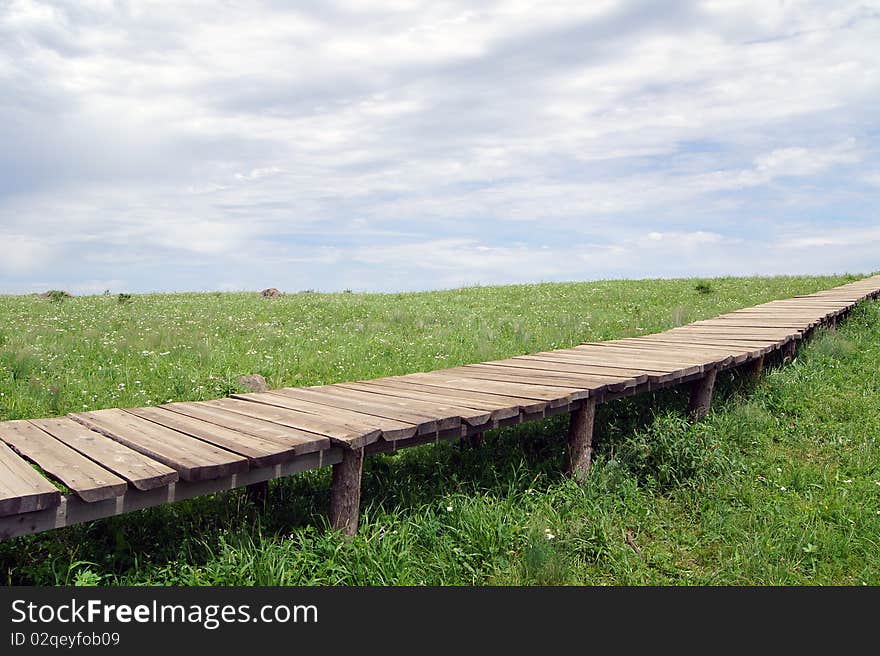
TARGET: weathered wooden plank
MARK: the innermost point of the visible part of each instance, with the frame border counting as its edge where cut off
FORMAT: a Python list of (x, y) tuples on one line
[(391, 428), (72, 510), (139, 470), (447, 415), (561, 367), (495, 410), (630, 360), (427, 422), (758, 323), (704, 356), (339, 432), (572, 382), (556, 396), (616, 368), (22, 489), (529, 406), (261, 453), (301, 441), (193, 459), (751, 348), (670, 355), (89, 481), (707, 343), (538, 375)]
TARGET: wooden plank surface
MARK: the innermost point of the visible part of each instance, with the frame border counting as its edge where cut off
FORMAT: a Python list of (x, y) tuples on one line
[(537, 375), (22, 488), (562, 367), (301, 441), (630, 361), (672, 353), (193, 459), (557, 396), (615, 369), (327, 397), (527, 405), (85, 478), (140, 471), (448, 415), (261, 452), (495, 411), (389, 427), (352, 436)]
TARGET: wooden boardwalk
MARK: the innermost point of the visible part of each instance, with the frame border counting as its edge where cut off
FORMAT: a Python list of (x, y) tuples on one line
[(108, 462)]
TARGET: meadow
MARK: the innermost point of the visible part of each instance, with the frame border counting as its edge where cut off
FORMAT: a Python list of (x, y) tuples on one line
[(780, 484)]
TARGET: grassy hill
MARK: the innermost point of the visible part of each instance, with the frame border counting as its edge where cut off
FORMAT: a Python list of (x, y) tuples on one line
[(780, 484)]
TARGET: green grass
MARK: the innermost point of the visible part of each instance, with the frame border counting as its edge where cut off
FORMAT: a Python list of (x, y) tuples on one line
[(779, 485)]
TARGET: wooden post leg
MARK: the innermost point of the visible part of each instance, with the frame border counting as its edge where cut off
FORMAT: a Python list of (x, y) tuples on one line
[(345, 492), (756, 366), (475, 440), (258, 493), (701, 394), (580, 440), (788, 351)]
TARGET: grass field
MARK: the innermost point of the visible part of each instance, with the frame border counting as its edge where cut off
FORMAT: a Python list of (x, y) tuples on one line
[(779, 485)]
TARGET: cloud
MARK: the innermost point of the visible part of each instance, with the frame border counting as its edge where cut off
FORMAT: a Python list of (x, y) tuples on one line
[(23, 254), (456, 139)]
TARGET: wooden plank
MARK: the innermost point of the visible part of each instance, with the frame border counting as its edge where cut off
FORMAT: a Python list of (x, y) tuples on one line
[(758, 341), (447, 415), (556, 396), (390, 428), (261, 453), (495, 410), (536, 374), (739, 353), (719, 342), (757, 323), (72, 510), (529, 406), (607, 368), (142, 472), (193, 459), (553, 384), (669, 355), (341, 433), (89, 481), (300, 441), (561, 367), (737, 333), (22, 489), (326, 396), (672, 352), (633, 361)]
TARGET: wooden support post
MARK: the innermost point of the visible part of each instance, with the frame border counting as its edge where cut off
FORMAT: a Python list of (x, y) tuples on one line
[(580, 439), (701, 394), (345, 492), (475, 440), (258, 493), (788, 351), (756, 366)]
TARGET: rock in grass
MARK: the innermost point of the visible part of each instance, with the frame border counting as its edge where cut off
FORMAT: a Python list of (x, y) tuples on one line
[(271, 293), (56, 294), (253, 383)]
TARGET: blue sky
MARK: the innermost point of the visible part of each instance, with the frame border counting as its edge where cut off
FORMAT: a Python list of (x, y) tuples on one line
[(401, 145)]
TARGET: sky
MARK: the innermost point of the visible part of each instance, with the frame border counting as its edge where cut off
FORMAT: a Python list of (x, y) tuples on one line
[(402, 145)]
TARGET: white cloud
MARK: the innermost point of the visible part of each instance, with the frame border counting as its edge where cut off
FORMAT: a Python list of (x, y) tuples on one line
[(22, 254), (182, 137), (838, 237)]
